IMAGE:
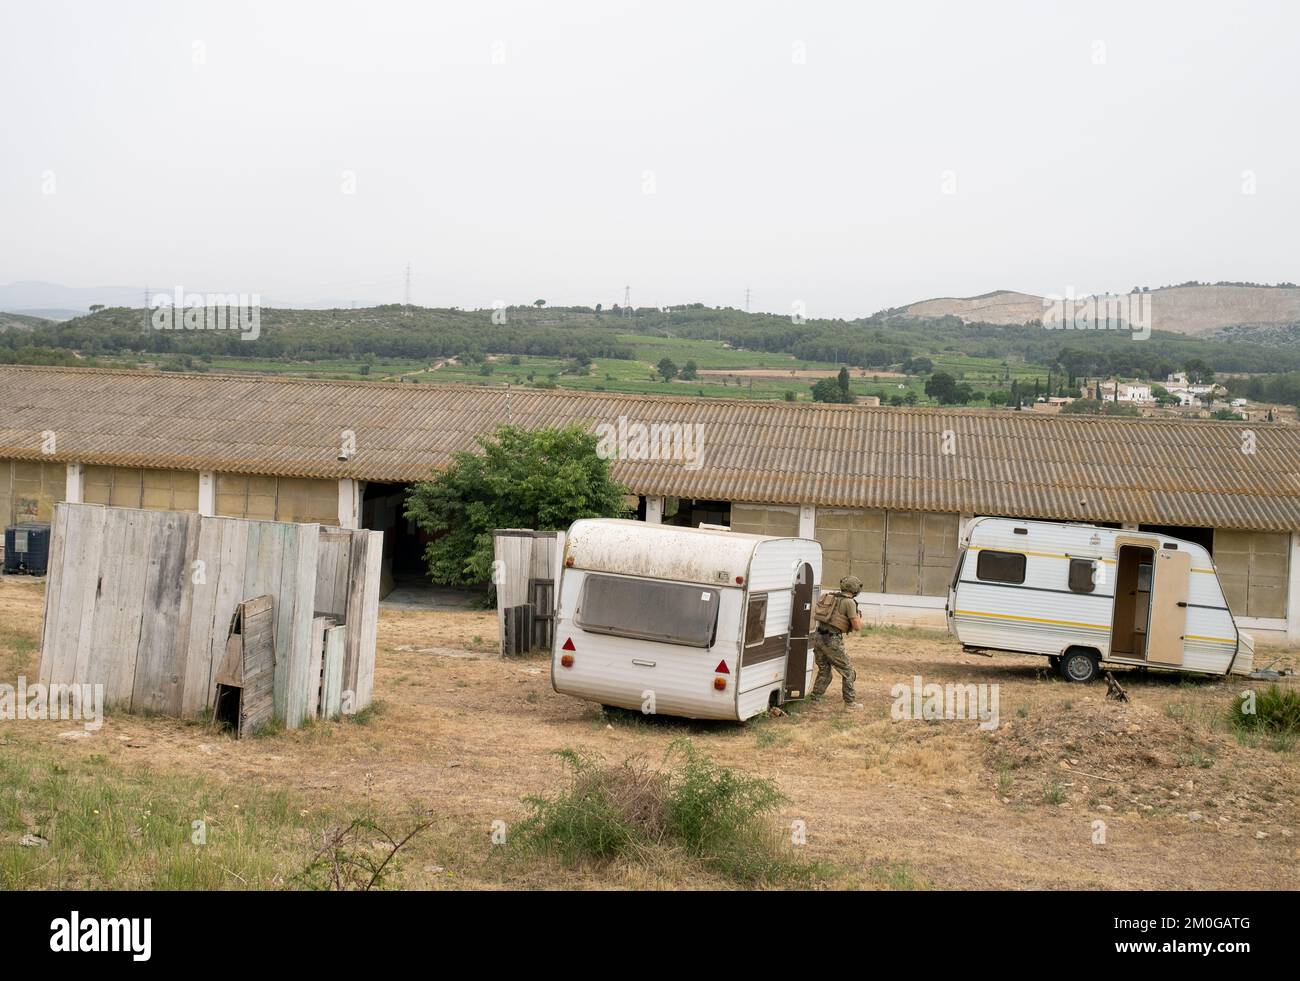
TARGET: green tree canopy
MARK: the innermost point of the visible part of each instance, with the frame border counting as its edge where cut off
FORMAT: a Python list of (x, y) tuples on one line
[(667, 368), (543, 479), (830, 390)]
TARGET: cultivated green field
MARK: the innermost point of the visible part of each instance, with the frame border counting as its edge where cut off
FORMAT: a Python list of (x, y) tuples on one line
[(639, 375)]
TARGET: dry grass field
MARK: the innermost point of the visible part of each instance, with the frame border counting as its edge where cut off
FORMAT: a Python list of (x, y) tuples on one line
[(459, 738)]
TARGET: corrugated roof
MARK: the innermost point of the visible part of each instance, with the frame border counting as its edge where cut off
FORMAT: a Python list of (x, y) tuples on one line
[(1158, 471)]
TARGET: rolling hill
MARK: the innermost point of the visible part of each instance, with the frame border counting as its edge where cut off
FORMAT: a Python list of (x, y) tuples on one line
[(1186, 309)]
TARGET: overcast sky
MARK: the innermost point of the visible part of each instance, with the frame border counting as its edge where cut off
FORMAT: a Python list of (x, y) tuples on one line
[(563, 150)]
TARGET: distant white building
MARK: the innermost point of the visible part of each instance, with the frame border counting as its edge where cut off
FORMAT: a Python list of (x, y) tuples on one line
[(1187, 393), (1118, 391)]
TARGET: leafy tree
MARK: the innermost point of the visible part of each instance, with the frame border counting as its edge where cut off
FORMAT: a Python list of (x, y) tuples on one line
[(1198, 372), (543, 479), (829, 390), (689, 371), (918, 366), (667, 368), (539, 304), (842, 381), (943, 388)]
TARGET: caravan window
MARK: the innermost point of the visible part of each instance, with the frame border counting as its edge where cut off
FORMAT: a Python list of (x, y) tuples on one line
[(756, 620), (647, 609), (1082, 575), (1001, 567)]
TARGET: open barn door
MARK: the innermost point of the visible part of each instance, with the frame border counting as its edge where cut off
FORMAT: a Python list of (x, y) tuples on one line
[(1169, 587), (796, 663)]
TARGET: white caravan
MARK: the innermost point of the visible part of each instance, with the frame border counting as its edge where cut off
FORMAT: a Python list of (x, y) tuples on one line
[(1082, 595), (691, 622)]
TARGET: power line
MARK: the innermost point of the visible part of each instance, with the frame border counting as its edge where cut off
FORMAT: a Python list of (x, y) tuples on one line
[(627, 301)]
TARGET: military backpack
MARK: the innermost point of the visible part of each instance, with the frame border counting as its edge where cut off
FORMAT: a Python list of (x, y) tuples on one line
[(827, 612)]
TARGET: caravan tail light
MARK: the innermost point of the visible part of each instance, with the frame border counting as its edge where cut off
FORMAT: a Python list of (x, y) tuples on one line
[(720, 684), (567, 660), (740, 580)]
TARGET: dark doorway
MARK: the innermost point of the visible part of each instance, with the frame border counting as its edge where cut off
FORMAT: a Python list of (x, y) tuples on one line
[(691, 513), (1128, 629), (383, 509), (796, 662), (1198, 536)]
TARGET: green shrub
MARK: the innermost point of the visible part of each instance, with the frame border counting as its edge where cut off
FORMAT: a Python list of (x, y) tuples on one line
[(713, 815), (1277, 711)]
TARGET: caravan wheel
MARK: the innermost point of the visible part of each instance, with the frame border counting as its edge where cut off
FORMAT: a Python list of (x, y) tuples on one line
[(1079, 665)]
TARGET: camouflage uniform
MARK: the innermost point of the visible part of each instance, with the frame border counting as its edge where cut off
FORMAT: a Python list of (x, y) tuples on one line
[(828, 653)]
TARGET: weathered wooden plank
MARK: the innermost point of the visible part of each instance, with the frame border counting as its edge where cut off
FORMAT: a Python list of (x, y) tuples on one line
[(299, 587), (125, 640), (229, 594), (331, 572), (92, 532), (198, 640), (318, 627), (179, 640), (53, 589), (118, 608), (355, 607), (332, 672), (75, 614), (113, 577), (159, 667), (257, 650), (255, 579), (368, 635), (284, 614), (512, 552)]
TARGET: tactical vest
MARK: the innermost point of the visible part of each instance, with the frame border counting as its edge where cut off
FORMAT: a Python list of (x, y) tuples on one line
[(827, 612)]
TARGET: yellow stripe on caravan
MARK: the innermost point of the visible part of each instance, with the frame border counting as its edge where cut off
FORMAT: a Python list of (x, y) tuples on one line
[(1041, 555), (1217, 640), (1050, 555), (1008, 616)]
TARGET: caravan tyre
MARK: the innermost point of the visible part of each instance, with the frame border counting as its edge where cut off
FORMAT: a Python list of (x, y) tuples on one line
[(1079, 665)]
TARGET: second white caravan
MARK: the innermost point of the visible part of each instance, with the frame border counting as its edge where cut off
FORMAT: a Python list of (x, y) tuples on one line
[(684, 621), (1084, 595)]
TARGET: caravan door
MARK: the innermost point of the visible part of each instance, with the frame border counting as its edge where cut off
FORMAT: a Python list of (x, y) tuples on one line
[(1171, 576), (801, 604)]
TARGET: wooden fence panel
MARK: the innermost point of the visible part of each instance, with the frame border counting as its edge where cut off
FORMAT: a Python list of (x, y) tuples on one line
[(332, 672), (198, 645), (141, 602)]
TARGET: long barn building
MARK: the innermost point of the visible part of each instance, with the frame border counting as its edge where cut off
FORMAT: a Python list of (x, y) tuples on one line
[(884, 490)]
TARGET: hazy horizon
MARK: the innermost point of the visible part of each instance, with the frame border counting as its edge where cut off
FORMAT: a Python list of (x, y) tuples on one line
[(849, 159)]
